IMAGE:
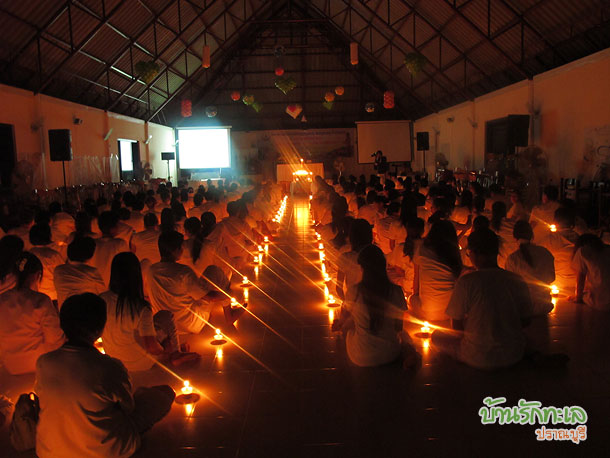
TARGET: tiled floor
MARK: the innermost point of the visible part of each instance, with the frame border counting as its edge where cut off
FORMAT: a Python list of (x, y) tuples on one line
[(296, 395)]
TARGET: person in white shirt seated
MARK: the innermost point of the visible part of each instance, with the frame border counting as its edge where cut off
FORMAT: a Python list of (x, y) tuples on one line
[(77, 275), (238, 234), (175, 287), (369, 211), (561, 245), (132, 333), (592, 266), (503, 227), (517, 211), (29, 326), (124, 230), (82, 228), (438, 264), (542, 215), (401, 268), (372, 314), (199, 252), (349, 272), (40, 238), (390, 230), (87, 408), (11, 247), (108, 245), (62, 223), (136, 216), (145, 243), (197, 209), (489, 308), (536, 266)]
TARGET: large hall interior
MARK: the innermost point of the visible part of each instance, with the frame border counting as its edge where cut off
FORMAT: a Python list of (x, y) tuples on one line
[(304, 228)]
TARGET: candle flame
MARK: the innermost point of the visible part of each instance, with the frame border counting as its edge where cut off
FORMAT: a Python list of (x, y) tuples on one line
[(553, 228), (426, 328)]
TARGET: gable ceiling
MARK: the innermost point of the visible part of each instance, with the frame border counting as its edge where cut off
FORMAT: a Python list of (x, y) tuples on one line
[(87, 51)]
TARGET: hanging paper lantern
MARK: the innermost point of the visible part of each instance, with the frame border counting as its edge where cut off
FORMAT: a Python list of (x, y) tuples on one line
[(328, 105), (147, 70), (248, 99), (329, 96), (279, 71), (186, 108), (235, 96), (257, 106), (339, 90), (294, 110), (211, 111), (303, 118), (205, 59), (285, 84), (353, 53), (369, 107), (388, 100)]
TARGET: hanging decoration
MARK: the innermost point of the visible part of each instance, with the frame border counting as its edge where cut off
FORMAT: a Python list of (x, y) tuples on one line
[(415, 62), (186, 108), (369, 107), (285, 84), (328, 105), (257, 106), (147, 70), (353, 53), (303, 118), (235, 96), (388, 100), (339, 90), (205, 59), (294, 110), (329, 97), (211, 111), (279, 71), (248, 99)]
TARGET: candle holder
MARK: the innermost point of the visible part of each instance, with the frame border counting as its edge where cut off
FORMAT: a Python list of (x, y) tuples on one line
[(245, 283), (554, 291), (218, 338), (320, 246), (187, 395), (552, 228), (332, 302), (425, 331)]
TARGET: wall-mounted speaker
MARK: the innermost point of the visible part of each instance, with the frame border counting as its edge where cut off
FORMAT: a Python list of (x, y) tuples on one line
[(60, 145), (423, 141)]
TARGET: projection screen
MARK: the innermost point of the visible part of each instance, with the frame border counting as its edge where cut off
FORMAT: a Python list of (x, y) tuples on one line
[(204, 148), (391, 137)]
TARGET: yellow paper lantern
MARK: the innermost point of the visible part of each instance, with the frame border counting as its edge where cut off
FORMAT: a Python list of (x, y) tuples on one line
[(353, 53), (205, 59)]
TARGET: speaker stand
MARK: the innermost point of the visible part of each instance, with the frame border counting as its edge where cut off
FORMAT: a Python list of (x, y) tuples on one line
[(169, 178), (424, 164), (63, 166)]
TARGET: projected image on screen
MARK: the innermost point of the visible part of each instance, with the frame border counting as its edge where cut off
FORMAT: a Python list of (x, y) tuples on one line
[(204, 148)]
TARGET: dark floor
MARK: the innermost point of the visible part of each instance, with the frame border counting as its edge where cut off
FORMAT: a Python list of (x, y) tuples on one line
[(296, 395)]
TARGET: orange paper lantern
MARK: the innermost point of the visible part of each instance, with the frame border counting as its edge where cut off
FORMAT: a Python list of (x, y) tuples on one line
[(186, 108), (329, 96), (205, 59), (339, 90), (235, 96), (388, 100), (279, 71)]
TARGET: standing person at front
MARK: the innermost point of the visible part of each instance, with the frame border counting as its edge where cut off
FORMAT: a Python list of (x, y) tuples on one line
[(86, 405), (490, 306)]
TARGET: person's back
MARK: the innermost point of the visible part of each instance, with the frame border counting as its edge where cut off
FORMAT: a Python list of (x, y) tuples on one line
[(368, 212), (593, 262), (538, 275), (108, 245), (29, 328), (62, 225), (561, 246), (85, 413), (492, 303), (144, 244)]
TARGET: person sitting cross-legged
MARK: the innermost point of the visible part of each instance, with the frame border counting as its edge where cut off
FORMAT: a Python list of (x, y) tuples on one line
[(488, 308), (86, 403)]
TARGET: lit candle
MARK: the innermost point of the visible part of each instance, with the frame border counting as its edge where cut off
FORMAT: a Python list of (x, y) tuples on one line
[(245, 280), (234, 303), (260, 248), (186, 388), (554, 290), (99, 346), (320, 246), (332, 302), (318, 236), (326, 292), (553, 228), (425, 329), (256, 259), (218, 335), (326, 277), (266, 239), (310, 197)]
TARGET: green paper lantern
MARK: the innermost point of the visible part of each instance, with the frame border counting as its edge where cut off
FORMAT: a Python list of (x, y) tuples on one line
[(147, 70), (257, 106), (248, 99), (285, 84), (415, 62), (328, 105)]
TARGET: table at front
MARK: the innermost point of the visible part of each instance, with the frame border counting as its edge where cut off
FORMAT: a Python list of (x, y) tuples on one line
[(284, 171)]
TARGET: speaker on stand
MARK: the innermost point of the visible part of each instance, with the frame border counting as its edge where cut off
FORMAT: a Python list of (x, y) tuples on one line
[(60, 149), (168, 157), (423, 145)]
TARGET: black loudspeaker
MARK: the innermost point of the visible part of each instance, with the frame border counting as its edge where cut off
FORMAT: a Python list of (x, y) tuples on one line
[(518, 130), (168, 156), (60, 145), (423, 141)]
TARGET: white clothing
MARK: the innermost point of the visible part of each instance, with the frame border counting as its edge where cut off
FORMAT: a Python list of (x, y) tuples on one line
[(561, 246), (85, 402), (369, 213), (436, 282), (460, 215), (145, 244), (196, 212), (62, 226), (29, 328), (106, 249), (50, 259), (492, 303), (597, 267), (122, 335), (136, 221), (390, 232), (399, 259), (348, 264), (538, 276), (541, 217), (207, 256), (76, 278), (507, 241), (124, 231), (176, 288), (365, 348)]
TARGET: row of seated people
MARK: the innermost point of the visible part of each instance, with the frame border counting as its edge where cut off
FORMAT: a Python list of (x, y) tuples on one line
[(428, 259)]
